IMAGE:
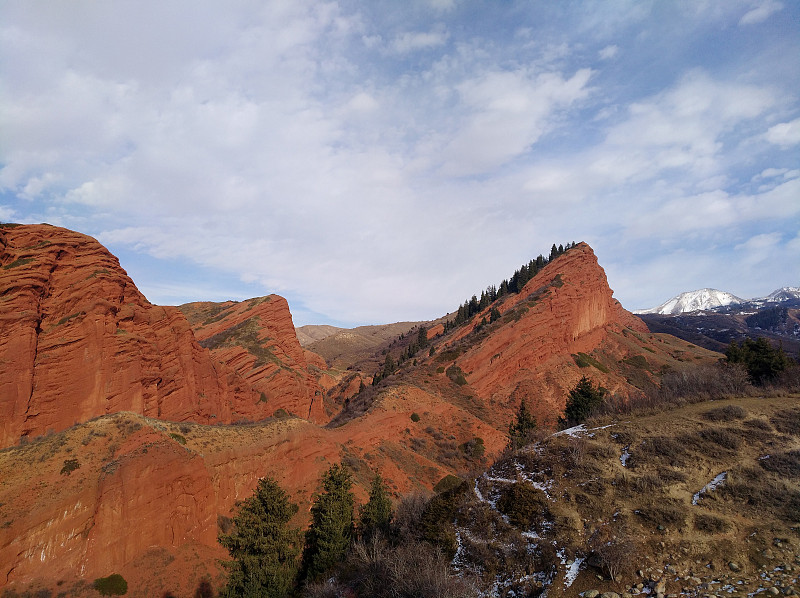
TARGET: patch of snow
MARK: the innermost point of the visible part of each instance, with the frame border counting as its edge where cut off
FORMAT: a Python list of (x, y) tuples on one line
[(572, 572), (574, 431), (625, 456), (478, 493), (712, 485)]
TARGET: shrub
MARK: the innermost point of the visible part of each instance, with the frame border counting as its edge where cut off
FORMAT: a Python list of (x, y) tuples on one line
[(786, 465), (456, 374), (664, 448), (448, 482), (697, 383), (523, 504), (474, 449), (437, 519), (722, 437), (204, 589), (415, 417), (711, 524), (614, 548), (582, 360), (113, 585), (668, 512), (407, 522), (70, 465), (178, 438), (787, 421), (725, 414)]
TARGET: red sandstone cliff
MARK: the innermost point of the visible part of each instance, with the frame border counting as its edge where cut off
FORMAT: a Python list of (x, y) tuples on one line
[(78, 340), (566, 309), (257, 339)]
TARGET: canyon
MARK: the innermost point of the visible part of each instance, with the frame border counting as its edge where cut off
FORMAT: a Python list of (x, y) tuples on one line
[(130, 430)]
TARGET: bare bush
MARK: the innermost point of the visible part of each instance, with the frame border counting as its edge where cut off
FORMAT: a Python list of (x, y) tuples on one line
[(420, 571), (711, 524), (705, 382), (693, 384), (406, 524), (615, 549)]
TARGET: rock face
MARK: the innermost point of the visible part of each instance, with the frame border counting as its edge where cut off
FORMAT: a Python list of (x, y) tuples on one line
[(566, 309), (257, 339), (78, 340), (130, 488)]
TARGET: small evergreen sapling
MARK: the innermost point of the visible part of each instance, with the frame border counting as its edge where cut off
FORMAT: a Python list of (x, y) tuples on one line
[(583, 399), (519, 431)]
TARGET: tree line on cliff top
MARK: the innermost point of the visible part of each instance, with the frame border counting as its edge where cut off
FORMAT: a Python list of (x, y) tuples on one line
[(513, 285)]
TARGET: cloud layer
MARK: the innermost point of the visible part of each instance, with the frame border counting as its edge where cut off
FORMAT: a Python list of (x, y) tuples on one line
[(381, 161)]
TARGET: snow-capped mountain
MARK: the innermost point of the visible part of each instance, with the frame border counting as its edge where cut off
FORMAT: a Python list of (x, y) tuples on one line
[(782, 294), (700, 300)]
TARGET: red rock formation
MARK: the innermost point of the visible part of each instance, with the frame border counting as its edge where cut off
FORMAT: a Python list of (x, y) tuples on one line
[(567, 308), (257, 339), (78, 340)]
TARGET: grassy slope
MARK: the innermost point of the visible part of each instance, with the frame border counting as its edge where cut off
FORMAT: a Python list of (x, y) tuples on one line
[(586, 499)]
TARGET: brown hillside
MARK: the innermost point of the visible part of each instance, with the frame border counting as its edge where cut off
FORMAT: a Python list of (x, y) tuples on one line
[(311, 333), (77, 340), (349, 346)]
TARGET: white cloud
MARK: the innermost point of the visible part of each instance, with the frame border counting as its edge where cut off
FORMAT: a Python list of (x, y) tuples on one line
[(608, 52), (374, 166), (507, 113), (411, 41), (759, 248), (761, 13), (784, 134)]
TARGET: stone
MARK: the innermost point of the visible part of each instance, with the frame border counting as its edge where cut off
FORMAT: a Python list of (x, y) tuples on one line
[(609, 595), (591, 594), (734, 566), (773, 591)]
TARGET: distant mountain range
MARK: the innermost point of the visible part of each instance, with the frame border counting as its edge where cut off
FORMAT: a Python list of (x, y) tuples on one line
[(712, 319), (712, 299)]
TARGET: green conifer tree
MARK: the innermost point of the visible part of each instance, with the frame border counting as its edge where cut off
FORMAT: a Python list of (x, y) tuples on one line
[(763, 361), (263, 548), (583, 399), (519, 431), (328, 538), (377, 513)]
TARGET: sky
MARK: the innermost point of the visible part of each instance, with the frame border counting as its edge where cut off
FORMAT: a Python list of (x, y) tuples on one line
[(382, 161)]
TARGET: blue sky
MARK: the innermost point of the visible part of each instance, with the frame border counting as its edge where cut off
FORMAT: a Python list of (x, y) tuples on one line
[(382, 161)]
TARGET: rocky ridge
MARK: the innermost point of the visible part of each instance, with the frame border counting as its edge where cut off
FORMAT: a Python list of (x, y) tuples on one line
[(256, 338), (78, 340)]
